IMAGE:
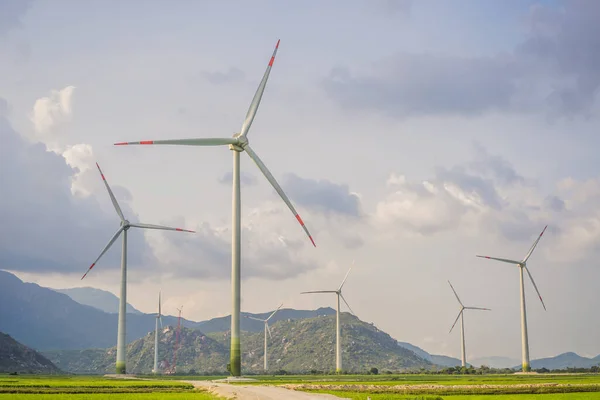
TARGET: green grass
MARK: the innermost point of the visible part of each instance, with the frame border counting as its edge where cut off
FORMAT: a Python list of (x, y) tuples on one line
[(410, 379), (95, 387), (556, 396), (114, 396)]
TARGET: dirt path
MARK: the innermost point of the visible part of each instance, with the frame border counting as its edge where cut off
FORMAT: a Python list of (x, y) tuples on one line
[(257, 392)]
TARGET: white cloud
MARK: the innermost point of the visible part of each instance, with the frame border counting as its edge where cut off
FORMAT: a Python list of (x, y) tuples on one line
[(52, 111), (81, 158)]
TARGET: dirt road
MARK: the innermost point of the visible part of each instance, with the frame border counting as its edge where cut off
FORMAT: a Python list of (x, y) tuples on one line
[(257, 392)]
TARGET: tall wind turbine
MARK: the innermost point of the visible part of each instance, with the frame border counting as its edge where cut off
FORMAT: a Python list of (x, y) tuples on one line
[(125, 225), (523, 266), (238, 143), (158, 318), (267, 329), (338, 342), (461, 315)]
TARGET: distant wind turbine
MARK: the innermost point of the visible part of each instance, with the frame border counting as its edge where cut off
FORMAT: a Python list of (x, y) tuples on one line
[(238, 143), (462, 324), (523, 266), (158, 318), (267, 329), (338, 342), (125, 225)]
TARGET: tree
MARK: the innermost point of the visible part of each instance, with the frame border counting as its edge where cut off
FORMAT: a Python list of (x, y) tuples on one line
[(374, 371)]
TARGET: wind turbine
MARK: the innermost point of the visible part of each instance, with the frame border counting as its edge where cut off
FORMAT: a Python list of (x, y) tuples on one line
[(462, 324), (267, 329), (523, 266), (238, 143), (338, 343), (125, 225), (158, 318)]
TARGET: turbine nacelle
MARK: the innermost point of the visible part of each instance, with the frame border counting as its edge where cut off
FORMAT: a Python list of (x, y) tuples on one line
[(125, 224)]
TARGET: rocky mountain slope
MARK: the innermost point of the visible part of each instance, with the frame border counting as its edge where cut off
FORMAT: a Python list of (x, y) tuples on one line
[(16, 357)]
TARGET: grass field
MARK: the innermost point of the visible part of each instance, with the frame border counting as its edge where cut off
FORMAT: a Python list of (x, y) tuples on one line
[(95, 387), (377, 387), (455, 387), (556, 396), (391, 380)]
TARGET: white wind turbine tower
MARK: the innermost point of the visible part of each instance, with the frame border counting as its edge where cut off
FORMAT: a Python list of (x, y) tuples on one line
[(338, 342), (158, 318), (523, 266), (267, 330), (125, 225), (238, 143), (461, 315)]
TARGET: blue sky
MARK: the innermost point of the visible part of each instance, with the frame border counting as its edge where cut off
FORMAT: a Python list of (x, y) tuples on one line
[(410, 136)]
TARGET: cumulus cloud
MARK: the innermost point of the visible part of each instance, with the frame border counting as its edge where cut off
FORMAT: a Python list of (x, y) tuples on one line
[(489, 195), (49, 117), (423, 84), (322, 195), (266, 253), (555, 69), (567, 38), (45, 228), (51, 111)]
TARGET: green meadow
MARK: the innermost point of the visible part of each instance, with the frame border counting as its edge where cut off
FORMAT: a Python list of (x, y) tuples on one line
[(95, 387)]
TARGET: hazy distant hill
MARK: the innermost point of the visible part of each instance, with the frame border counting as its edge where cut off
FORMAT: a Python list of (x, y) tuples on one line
[(100, 299), (44, 319), (494, 362), (297, 345), (564, 360), (446, 361), (16, 357)]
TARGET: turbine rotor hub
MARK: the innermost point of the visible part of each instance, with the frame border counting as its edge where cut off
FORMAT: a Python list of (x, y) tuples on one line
[(125, 224), (240, 145)]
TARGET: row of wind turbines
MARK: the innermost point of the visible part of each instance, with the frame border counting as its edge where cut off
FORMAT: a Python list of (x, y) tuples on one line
[(237, 144)]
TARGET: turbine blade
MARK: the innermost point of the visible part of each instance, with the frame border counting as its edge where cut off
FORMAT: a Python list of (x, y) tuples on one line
[(159, 303), (477, 308), (346, 277), (278, 188), (110, 243), (456, 320), (164, 228), (534, 244), (501, 259), (268, 330), (160, 320), (535, 286), (256, 319), (273, 313), (187, 142), (348, 305), (320, 291), (112, 196), (457, 298), (258, 96)]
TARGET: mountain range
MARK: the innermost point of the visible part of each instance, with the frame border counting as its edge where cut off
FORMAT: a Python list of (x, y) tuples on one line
[(296, 346), (100, 299), (51, 321)]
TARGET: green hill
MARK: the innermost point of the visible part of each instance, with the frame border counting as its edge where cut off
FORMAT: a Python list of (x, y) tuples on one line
[(296, 346), (16, 357), (197, 351)]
